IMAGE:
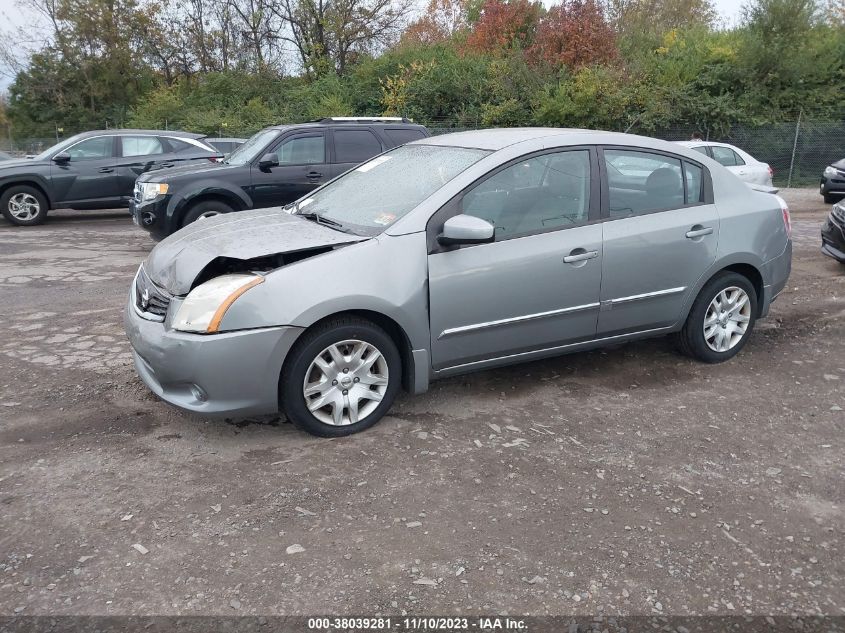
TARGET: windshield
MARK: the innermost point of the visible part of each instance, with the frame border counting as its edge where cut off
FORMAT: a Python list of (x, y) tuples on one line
[(58, 147), (252, 148), (371, 197)]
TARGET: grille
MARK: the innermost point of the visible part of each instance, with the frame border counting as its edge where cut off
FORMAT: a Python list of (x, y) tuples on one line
[(151, 300)]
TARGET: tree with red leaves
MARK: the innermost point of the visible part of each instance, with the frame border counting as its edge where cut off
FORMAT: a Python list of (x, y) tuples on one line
[(575, 34), (504, 25)]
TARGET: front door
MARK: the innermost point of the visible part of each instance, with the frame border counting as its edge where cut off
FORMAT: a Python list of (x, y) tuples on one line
[(303, 166), (537, 285), (89, 179), (660, 237)]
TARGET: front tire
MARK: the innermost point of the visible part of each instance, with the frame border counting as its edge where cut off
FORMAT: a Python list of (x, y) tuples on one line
[(205, 209), (830, 198), (23, 205), (340, 378), (721, 319)]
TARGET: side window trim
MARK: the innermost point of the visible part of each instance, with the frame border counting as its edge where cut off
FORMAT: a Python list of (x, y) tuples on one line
[(273, 148), (114, 147), (453, 206), (706, 182), (333, 157)]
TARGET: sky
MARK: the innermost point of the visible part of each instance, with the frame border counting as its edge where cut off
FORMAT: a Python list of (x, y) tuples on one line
[(12, 17)]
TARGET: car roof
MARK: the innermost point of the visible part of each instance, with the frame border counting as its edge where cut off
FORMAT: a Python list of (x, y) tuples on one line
[(121, 131), (226, 140), (325, 124), (497, 139)]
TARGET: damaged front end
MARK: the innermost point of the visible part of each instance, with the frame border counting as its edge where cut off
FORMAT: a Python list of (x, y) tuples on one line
[(248, 242)]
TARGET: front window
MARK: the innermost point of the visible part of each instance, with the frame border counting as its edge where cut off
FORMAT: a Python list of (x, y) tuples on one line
[(374, 195), (250, 150), (92, 148)]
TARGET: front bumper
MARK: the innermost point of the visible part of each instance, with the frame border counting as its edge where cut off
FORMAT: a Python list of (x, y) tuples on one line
[(835, 185), (151, 216), (833, 238), (231, 374)]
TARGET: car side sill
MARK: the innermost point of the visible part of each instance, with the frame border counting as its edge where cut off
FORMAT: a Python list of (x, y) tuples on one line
[(541, 353)]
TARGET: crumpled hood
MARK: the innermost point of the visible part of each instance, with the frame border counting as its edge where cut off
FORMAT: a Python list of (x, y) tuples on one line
[(163, 174), (176, 261)]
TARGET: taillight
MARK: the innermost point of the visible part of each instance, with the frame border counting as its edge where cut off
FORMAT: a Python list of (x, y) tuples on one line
[(771, 172), (214, 159)]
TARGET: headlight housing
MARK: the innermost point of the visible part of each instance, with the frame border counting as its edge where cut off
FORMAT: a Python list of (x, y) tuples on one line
[(204, 307), (152, 190), (830, 172)]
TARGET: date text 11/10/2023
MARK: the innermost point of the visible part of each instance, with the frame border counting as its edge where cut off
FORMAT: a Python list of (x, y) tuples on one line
[(419, 623)]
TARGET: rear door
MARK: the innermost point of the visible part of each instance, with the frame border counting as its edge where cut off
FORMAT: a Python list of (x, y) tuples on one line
[(661, 231), (138, 154), (353, 146), (89, 180), (303, 166)]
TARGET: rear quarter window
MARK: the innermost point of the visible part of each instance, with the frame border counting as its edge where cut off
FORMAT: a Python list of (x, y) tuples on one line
[(400, 136)]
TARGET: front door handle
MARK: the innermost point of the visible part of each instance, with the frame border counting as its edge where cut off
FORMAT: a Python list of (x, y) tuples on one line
[(699, 231), (314, 174), (579, 255), (106, 170)]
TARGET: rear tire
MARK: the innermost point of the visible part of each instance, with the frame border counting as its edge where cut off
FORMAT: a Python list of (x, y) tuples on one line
[(314, 391), (23, 205), (205, 209), (721, 319)]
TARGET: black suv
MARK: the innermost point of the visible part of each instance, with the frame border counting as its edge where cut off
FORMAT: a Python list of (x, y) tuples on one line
[(275, 167), (92, 170)]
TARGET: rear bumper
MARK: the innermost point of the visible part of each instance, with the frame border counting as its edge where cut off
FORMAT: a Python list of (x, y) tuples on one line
[(232, 374), (776, 272), (833, 239)]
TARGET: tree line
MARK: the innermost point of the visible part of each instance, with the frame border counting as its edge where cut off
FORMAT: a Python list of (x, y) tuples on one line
[(234, 66)]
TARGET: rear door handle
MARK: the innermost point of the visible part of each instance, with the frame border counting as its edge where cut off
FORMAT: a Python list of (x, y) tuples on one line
[(579, 255), (314, 174), (106, 170), (699, 231)]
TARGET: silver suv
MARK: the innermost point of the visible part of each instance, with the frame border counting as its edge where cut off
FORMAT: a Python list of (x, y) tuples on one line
[(454, 254)]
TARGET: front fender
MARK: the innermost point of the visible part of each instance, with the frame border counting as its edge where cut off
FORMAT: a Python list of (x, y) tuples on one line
[(179, 203), (30, 178)]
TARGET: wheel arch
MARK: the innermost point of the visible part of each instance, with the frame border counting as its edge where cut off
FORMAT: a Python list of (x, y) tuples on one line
[(230, 198), (35, 184), (395, 331), (743, 267)]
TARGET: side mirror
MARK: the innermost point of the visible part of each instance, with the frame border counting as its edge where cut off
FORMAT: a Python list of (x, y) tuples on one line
[(269, 160), (61, 158), (466, 229)]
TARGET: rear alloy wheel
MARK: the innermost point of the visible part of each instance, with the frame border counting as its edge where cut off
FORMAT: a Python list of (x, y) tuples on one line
[(23, 205), (341, 378), (721, 319)]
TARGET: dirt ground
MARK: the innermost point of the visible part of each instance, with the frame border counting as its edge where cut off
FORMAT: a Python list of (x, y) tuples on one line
[(623, 481)]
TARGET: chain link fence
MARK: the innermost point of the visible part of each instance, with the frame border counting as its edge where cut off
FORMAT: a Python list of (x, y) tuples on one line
[(797, 151)]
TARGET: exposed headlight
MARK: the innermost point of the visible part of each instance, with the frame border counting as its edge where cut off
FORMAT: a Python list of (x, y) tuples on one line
[(830, 172), (204, 307), (151, 190)]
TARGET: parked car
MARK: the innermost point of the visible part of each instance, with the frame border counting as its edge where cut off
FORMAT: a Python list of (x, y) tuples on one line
[(226, 145), (453, 254), (832, 185), (275, 167), (92, 170), (833, 233), (744, 165)]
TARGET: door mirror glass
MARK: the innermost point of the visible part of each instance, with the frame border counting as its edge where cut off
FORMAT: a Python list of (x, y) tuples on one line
[(61, 158), (269, 160), (466, 229)]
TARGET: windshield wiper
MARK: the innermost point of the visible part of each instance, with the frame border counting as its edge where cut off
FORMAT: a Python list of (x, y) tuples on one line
[(319, 219)]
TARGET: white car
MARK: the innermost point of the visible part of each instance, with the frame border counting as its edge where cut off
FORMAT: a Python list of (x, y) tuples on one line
[(743, 164)]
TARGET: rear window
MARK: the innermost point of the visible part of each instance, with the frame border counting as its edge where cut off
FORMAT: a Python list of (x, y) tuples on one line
[(355, 146), (400, 136)]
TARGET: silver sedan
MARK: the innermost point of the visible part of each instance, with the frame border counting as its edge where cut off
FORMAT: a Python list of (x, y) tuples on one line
[(449, 255)]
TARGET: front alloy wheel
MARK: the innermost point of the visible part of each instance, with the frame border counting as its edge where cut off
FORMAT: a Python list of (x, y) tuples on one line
[(340, 377), (346, 382), (24, 207)]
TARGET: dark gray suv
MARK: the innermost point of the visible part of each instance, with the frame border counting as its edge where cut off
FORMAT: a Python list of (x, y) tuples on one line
[(93, 170)]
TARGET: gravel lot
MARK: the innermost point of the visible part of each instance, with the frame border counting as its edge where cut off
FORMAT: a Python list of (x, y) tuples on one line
[(624, 481)]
